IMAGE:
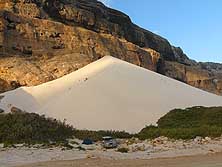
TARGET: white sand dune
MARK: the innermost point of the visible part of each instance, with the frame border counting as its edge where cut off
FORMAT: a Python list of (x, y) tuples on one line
[(109, 94)]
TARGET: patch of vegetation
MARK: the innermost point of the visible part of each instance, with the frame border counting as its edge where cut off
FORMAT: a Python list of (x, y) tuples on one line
[(187, 124), (123, 150), (1, 111), (192, 117), (32, 129), (98, 135), (1, 97)]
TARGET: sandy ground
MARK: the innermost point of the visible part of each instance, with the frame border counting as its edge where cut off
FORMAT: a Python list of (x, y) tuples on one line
[(210, 160), (141, 150), (109, 94)]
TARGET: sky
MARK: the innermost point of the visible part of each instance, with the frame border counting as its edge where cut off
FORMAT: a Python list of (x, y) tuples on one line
[(194, 25)]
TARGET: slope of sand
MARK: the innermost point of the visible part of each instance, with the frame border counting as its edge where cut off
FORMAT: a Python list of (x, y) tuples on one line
[(109, 94)]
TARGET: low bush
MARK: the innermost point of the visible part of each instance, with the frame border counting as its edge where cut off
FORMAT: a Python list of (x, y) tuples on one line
[(192, 117), (32, 128), (123, 150), (186, 124), (98, 135)]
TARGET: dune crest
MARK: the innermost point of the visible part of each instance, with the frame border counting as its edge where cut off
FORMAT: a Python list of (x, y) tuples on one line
[(109, 94)]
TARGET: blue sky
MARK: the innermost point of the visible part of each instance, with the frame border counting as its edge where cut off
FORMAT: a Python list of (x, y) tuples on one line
[(194, 25)]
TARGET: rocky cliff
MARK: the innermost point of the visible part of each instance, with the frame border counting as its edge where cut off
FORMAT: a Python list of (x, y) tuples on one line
[(41, 40)]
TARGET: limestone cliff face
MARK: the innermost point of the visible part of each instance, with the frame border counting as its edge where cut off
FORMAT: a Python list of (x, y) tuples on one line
[(194, 75), (41, 40), (94, 16), (35, 51)]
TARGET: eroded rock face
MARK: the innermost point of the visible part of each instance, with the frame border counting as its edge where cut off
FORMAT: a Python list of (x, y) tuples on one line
[(194, 75), (35, 51), (23, 71), (93, 15), (4, 86), (41, 40)]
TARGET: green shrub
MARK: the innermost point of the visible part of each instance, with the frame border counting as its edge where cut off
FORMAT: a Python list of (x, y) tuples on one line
[(123, 150), (97, 135), (32, 128), (186, 124), (192, 117)]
